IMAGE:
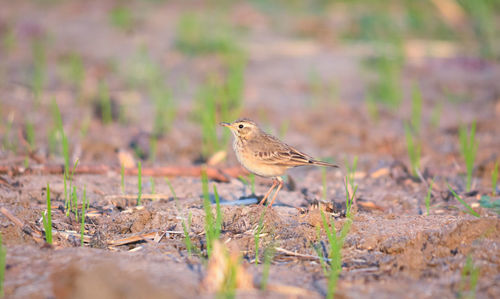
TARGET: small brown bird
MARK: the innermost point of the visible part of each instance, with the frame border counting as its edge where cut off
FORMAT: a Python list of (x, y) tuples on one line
[(265, 155)]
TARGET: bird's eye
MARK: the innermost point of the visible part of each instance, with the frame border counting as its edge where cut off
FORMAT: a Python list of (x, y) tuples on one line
[(240, 126)]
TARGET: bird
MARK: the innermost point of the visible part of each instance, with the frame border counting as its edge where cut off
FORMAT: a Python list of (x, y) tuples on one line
[(265, 155)]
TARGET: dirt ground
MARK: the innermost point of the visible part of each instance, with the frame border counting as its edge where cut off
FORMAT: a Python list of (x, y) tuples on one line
[(394, 249)]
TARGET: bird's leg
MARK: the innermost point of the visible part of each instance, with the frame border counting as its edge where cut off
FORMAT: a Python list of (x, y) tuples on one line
[(268, 192), (280, 180)]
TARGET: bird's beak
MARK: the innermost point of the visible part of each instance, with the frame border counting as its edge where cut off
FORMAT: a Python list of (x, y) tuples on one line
[(225, 124)]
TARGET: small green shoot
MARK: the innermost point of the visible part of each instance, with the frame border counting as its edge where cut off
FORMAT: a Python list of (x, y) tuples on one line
[(251, 177), (350, 186), (47, 218), (414, 149), (84, 209), (121, 17), (323, 181), (468, 279), (39, 68), (428, 198), (139, 183), (152, 183), (105, 104), (494, 179), (249, 181), (74, 202), (256, 235), (122, 179), (468, 148), (436, 113), (197, 35), (76, 70), (268, 257), (213, 225), (3, 255), (228, 288), (334, 254), (67, 196), (187, 238), (469, 209), (284, 128), (57, 119), (6, 144), (372, 108), (30, 135)]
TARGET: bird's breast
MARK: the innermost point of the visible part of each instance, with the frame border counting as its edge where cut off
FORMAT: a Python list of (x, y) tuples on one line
[(255, 165)]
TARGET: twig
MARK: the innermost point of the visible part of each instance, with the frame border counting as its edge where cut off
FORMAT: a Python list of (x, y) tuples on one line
[(134, 196), (138, 238), (169, 171), (305, 256)]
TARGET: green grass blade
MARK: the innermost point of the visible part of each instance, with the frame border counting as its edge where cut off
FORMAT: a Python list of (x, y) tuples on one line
[(47, 218), (82, 224), (428, 198), (3, 255), (494, 179), (139, 183), (469, 209)]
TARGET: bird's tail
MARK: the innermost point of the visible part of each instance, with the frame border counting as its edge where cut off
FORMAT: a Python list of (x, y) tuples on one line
[(321, 163)]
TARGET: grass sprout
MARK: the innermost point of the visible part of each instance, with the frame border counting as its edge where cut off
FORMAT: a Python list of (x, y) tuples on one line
[(428, 198), (256, 235), (139, 183), (323, 181), (350, 185), (30, 135), (213, 224), (121, 17), (187, 239), (84, 210), (468, 208), (436, 114), (73, 70), (334, 257), (144, 72), (414, 149), (105, 104), (47, 218), (468, 279), (67, 196), (122, 178), (196, 35), (6, 143), (219, 100), (39, 68), (494, 179), (468, 148), (3, 255), (268, 257)]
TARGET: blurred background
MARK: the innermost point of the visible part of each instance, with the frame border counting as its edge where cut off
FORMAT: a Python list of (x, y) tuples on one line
[(337, 79)]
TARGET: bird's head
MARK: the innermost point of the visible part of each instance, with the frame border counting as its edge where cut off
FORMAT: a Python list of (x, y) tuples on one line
[(242, 128)]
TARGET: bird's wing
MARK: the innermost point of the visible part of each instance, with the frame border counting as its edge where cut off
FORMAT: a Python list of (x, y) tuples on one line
[(273, 151)]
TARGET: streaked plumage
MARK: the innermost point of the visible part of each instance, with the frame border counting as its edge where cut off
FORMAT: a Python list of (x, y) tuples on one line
[(266, 155)]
